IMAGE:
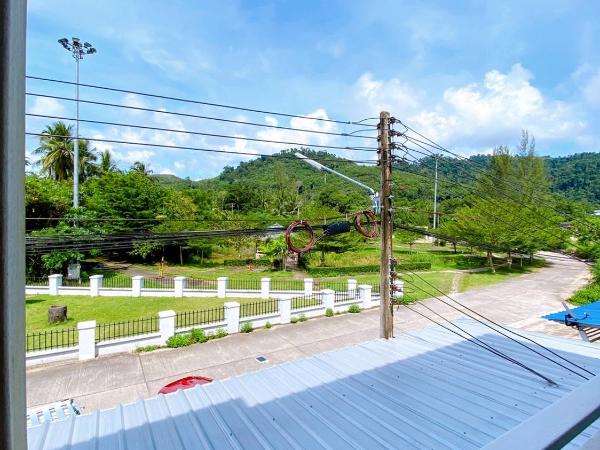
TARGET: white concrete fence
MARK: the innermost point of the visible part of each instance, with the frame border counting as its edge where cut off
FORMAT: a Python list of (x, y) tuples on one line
[(180, 288), (89, 346)]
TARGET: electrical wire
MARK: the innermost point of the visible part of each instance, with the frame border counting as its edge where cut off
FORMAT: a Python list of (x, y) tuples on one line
[(437, 146), (196, 102), (472, 313), (196, 149), (197, 116), (530, 222), (476, 341), (199, 133)]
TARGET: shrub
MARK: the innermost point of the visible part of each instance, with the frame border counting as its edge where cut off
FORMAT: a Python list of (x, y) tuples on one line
[(329, 312), (180, 340), (354, 309), (198, 335), (147, 348), (302, 318), (268, 325), (220, 333), (294, 319), (586, 295), (246, 327)]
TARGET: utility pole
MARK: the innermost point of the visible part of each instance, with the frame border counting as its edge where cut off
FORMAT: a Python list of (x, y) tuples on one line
[(386, 323), (78, 50), (436, 221)]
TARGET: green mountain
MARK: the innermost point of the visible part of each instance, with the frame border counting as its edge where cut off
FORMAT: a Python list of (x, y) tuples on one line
[(280, 185)]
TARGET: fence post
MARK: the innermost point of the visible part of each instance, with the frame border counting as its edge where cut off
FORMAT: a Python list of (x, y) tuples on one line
[(328, 298), (137, 284), (180, 284), (95, 285), (285, 310), (352, 288), (166, 325), (222, 287), (308, 286), (265, 287), (54, 282), (232, 316), (87, 339), (365, 295)]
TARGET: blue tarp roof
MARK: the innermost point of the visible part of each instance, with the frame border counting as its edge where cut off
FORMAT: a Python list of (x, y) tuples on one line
[(428, 389), (586, 315)]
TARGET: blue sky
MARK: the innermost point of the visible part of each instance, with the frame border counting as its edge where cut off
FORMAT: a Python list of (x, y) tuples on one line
[(468, 74)]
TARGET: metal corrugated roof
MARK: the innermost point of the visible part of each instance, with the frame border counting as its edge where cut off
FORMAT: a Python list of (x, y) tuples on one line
[(428, 389)]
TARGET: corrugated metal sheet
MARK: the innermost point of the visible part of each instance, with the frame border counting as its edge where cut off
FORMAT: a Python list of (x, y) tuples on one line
[(428, 389)]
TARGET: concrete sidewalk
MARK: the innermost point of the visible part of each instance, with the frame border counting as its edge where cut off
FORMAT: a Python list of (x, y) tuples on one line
[(122, 378)]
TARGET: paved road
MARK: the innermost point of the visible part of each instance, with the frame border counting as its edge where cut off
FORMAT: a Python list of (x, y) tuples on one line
[(123, 378)]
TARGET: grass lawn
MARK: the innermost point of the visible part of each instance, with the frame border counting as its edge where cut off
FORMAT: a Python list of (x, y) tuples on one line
[(112, 309), (475, 280)]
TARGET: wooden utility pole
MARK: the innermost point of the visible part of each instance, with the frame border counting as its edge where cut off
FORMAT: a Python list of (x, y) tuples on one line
[(386, 325)]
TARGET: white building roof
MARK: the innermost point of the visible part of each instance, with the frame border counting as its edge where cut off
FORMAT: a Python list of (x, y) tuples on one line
[(428, 389)]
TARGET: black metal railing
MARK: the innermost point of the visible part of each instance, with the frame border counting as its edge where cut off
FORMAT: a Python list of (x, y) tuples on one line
[(336, 285), (51, 339), (159, 283), (196, 283), (36, 281), (279, 284), (345, 296), (244, 285), (259, 308), (114, 330), (81, 282), (200, 317), (117, 282), (307, 301), (375, 288)]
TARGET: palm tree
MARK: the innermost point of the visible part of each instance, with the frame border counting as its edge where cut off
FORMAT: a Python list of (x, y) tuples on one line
[(56, 150), (107, 163), (140, 167)]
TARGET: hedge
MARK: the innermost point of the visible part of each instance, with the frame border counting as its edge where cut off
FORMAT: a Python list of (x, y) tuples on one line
[(245, 262), (349, 270)]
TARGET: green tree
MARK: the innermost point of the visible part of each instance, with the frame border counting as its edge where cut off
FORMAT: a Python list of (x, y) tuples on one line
[(56, 153), (141, 167), (106, 163)]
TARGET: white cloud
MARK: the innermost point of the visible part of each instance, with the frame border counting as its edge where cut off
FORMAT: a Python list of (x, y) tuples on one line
[(167, 171), (477, 116), (386, 95), (301, 137), (47, 107)]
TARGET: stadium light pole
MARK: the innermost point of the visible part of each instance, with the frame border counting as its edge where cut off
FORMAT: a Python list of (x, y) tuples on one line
[(77, 49)]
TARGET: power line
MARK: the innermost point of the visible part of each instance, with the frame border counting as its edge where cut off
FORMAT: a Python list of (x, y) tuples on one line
[(478, 342), (197, 102), (199, 133), (197, 116), (491, 202), (180, 147), (437, 146), (475, 313)]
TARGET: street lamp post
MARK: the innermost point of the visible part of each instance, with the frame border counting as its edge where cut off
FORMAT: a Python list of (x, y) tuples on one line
[(78, 50)]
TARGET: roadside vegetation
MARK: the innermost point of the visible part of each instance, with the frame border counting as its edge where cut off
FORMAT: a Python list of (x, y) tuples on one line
[(492, 209)]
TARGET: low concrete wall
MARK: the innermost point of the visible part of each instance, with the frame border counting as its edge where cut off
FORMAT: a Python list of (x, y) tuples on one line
[(127, 344), (49, 356)]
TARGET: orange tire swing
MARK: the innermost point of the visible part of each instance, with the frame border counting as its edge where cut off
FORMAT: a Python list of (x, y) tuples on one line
[(300, 225), (372, 221)]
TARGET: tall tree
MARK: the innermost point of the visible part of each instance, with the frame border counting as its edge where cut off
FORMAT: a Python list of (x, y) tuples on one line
[(56, 153), (107, 163), (141, 167)]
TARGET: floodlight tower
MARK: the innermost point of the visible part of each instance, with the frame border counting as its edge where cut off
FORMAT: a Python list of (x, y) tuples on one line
[(77, 49)]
